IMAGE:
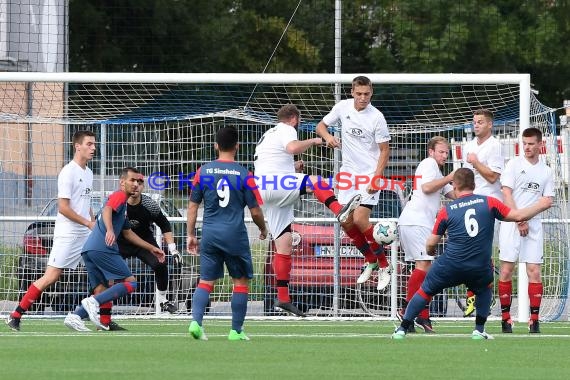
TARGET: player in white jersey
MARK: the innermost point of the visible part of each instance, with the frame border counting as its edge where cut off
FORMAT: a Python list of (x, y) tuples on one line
[(365, 151), (280, 183), (416, 221), (525, 179), (484, 156), (72, 225)]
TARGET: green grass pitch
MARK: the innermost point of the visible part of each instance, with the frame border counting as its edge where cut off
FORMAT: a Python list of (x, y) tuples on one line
[(285, 349)]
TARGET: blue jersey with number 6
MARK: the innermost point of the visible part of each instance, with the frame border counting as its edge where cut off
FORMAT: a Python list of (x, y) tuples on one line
[(469, 222)]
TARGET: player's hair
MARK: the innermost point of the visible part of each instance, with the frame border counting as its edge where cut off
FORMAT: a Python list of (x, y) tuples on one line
[(464, 179), (361, 80), (533, 132), (287, 112), (485, 112), (437, 140), (126, 170), (227, 138), (80, 135)]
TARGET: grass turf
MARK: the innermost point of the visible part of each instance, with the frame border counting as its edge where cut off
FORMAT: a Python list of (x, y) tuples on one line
[(305, 349)]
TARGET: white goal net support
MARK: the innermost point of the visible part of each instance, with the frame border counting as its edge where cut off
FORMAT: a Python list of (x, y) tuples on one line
[(164, 124)]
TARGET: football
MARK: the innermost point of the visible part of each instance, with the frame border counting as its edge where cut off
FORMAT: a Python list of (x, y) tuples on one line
[(385, 232)]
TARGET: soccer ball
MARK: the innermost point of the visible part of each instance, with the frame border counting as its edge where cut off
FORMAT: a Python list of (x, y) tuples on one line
[(385, 232)]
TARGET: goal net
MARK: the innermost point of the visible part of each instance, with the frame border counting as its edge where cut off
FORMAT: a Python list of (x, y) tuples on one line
[(165, 124)]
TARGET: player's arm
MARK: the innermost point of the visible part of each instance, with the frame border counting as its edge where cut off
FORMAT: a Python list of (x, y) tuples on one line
[(64, 207), (107, 216), (299, 146), (437, 184), (323, 131), (485, 171), (136, 240), (380, 166), (431, 244), (514, 215), (192, 215), (259, 220)]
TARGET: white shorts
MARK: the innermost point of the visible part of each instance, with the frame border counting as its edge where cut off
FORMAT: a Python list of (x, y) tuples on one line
[(345, 195), (513, 247), (278, 201), (66, 251), (413, 241)]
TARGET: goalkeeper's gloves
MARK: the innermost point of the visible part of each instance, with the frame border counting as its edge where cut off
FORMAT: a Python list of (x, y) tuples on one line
[(176, 256)]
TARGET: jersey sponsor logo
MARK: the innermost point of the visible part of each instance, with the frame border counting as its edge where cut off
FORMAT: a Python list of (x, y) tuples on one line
[(356, 132)]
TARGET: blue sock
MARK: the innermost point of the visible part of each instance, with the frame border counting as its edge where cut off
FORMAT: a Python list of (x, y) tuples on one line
[(116, 291), (239, 309), (482, 302), (416, 304), (199, 303)]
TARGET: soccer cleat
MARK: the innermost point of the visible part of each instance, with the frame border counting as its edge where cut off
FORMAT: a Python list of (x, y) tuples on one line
[(400, 315), (197, 331), (469, 306), (507, 326), (114, 326), (533, 327), (399, 334), (349, 208), (13, 323), (234, 335), (168, 306), (288, 307), (476, 335), (91, 306), (425, 324), (384, 277), (74, 322), (367, 273)]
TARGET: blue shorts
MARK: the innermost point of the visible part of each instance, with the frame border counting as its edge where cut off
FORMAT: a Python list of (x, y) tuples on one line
[(103, 267), (217, 250), (445, 274)]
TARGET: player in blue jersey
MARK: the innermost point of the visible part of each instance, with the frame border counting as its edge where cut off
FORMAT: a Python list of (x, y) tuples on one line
[(469, 221), (102, 258), (226, 188)]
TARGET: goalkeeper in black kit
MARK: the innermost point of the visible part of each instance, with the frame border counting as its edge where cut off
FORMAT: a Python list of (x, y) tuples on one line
[(142, 212)]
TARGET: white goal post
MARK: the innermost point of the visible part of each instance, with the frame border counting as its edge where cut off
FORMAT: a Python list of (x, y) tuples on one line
[(164, 124)]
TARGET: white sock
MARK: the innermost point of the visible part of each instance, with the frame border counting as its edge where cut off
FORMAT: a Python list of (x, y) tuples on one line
[(161, 295)]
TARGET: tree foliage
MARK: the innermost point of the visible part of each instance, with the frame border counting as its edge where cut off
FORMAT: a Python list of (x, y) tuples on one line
[(462, 36)]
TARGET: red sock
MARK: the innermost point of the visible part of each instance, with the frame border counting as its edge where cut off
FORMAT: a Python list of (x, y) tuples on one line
[(359, 241), (414, 283), (282, 269), (326, 196), (376, 248), (29, 298), (535, 297), (105, 313), (505, 296), (470, 293)]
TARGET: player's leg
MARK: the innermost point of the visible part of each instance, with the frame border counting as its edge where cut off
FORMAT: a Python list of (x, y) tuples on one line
[(483, 297), (211, 268), (532, 254), (437, 279), (161, 277), (509, 247), (361, 219), (240, 268), (324, 194), (412, 241), (65, 253)]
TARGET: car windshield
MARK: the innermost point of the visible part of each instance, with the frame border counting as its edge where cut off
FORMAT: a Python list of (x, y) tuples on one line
[(97, 202)]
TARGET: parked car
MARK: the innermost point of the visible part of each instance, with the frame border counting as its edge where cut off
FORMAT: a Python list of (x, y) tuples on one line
[(312, 275), (64, 295)]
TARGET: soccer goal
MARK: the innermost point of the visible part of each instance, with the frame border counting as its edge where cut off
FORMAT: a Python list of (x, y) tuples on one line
[(164, 124)]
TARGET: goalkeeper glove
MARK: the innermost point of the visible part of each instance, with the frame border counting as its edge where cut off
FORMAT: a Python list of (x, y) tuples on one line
[(176, 256)]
